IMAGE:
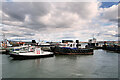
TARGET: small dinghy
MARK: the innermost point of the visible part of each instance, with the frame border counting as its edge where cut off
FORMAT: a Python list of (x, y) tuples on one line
[(37, 53)]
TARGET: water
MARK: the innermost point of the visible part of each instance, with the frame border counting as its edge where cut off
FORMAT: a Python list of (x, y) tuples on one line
[(102, 64)]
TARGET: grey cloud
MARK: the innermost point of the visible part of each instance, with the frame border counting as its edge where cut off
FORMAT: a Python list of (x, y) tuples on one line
[(18, 11), (67, 37), (14, 10), (14, 35), (3, 29), (107, 34), (62, 16), (119, 22), (35, 26), (116, 35), (80, 8), (62, 25), (110, 14), (114, 20), (119, 10), (29, 34), (21, 39)]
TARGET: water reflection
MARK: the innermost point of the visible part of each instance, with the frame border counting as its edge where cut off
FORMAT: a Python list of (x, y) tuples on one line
[(37, 62), (74, 57)]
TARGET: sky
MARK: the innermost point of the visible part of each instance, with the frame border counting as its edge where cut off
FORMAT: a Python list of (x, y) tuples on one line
[(55, 21)]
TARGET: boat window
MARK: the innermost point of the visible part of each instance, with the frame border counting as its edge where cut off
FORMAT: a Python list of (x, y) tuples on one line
[(70, 45), (63, 45), (73, 44), (17, 49), (67, 44)]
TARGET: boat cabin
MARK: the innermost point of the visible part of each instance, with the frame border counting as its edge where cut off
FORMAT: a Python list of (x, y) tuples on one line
[(70, 45)]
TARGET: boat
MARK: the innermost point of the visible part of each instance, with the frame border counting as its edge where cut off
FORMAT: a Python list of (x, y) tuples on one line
[(92, 43), (22, 48), (2, 51), (45, 46), (71, 49), (115, 48), (38, 53), (65, 51), (5, 46)]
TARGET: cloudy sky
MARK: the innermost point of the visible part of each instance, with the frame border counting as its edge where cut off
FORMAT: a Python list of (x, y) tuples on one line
[(54, 21)]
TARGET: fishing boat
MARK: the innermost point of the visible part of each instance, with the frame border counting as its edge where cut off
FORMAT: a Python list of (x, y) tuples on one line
[(92, 43), (71, 49), (65, 51), (38, 53)]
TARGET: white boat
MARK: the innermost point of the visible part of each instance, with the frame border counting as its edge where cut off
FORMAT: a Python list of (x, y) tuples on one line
[(20, 49), (45, 46), (2, 50), (38, 53)]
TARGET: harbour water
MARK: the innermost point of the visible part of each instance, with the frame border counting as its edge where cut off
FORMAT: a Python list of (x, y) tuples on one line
[(103, 64)]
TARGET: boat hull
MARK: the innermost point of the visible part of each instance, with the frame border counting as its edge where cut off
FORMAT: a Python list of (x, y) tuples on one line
[(68, 51), (90, 53), (15, 56)]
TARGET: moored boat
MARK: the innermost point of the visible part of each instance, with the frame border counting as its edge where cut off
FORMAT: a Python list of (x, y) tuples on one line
[(71, 48), (92, 43), (72, 51), (38, 53)]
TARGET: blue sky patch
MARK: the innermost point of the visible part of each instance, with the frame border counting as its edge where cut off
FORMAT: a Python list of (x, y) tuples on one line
[(108, 4)]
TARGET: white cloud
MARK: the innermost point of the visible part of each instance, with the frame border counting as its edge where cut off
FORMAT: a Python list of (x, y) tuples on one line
[(56, 21), (110, 14)]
